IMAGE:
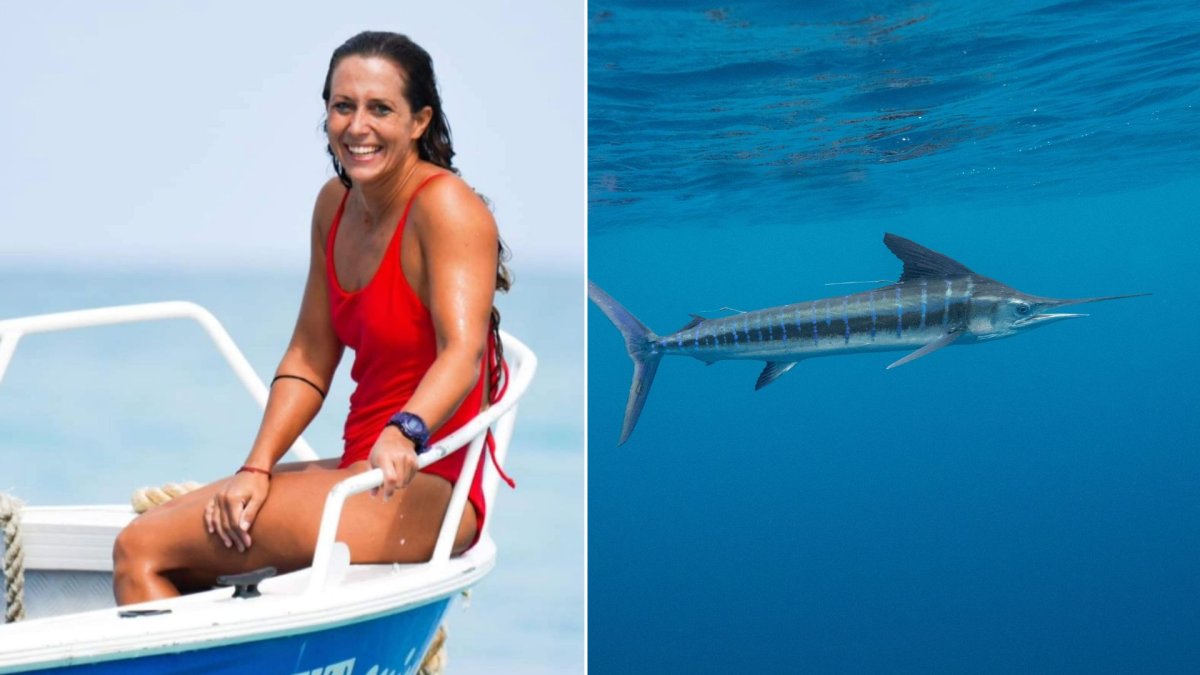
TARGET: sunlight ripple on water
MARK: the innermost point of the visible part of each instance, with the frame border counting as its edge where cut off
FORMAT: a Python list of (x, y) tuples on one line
[(841, 109)]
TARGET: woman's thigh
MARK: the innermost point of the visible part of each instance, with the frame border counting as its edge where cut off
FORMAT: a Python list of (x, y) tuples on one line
[(315, 465), (284, 534)]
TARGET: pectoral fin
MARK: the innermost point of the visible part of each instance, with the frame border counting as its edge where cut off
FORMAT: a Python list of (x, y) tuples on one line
[(943, 341), (772, 372)]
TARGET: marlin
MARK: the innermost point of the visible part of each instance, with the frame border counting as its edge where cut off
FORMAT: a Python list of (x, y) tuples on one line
[(937, 302)]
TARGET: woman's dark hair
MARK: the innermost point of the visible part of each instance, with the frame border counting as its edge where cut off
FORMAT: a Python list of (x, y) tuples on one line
[(435, 145)]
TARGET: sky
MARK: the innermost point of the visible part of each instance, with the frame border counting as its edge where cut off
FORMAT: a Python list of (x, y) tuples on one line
[(153, 135)]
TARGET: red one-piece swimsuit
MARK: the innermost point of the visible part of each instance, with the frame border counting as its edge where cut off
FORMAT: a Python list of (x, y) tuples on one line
[(391, 333)]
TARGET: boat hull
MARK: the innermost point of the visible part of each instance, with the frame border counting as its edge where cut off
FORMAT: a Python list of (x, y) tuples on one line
[(393, 643)]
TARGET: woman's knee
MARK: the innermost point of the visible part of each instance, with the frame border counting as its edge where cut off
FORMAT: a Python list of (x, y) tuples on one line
[(137, 547), (142, 564)]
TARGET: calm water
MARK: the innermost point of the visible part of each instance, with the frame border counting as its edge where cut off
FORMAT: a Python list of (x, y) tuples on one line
[(1029, 505), (89, 416)]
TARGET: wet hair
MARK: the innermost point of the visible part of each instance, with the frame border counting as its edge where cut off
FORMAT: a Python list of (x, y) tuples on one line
[(434, 146)]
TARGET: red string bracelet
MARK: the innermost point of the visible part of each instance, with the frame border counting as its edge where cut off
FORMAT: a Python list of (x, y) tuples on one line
[(254, 469)]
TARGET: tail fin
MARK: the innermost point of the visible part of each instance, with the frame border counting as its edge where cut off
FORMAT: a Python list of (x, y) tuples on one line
[(639, 341)]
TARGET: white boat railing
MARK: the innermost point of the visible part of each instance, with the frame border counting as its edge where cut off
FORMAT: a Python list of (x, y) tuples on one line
[(522, 363), (12, 330), (503, 413)]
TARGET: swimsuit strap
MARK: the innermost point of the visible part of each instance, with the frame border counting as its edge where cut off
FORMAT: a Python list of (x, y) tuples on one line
[(413, 197), (489, 440), (337, 220)]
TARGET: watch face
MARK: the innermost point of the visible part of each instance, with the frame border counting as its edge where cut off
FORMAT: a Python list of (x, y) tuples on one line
[(413, 427)]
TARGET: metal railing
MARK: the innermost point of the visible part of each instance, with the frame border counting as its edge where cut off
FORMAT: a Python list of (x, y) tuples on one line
[(12, 330), (522, 363)]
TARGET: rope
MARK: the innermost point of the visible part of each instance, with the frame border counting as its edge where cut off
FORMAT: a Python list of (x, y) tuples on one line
[(14, 559), (147, 498), (436, 658)]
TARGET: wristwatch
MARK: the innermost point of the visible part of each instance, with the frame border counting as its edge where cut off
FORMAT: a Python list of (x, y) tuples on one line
[(413, 428)]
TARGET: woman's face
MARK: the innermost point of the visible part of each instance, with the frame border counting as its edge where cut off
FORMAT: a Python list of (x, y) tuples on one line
[(372, 130)]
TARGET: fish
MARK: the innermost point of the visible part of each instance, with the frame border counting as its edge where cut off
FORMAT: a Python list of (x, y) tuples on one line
[(937, 302)]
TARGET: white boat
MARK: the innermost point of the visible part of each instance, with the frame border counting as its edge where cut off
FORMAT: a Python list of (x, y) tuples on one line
[(332, 618)]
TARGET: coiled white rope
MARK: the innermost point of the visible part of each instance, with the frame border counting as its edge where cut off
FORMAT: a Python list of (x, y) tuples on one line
[(147, 498), (14, 559)]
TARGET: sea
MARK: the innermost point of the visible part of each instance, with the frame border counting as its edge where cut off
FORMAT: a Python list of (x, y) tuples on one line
[(88, 416), (1029, 505)]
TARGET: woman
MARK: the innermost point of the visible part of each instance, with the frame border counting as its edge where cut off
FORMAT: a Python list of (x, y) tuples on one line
[(405, 261)]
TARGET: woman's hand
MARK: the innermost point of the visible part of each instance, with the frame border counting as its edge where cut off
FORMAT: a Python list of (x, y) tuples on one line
[(393, 453), (233, 508)]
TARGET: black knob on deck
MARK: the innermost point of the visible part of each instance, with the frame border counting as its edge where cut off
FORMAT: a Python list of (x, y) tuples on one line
[(246, 584)]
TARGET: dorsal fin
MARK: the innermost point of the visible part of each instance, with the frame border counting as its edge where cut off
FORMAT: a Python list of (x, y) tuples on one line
[(696, 321), (922, 262)]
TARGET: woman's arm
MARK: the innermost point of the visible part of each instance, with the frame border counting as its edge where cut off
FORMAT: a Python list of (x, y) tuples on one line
[(313, 354), (453, 270)]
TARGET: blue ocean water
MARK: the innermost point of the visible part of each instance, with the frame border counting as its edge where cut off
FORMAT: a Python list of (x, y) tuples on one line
[(1028, 505), (88, 416)]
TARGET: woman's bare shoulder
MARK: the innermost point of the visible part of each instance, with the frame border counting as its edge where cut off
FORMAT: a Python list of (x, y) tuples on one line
[(449, 204), (328, 200)]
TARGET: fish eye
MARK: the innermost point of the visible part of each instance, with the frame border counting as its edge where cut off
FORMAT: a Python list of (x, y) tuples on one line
[(1022, 308)]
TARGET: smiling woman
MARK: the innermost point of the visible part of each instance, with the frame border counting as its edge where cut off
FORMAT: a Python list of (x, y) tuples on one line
[(376, 57), (405, 261)]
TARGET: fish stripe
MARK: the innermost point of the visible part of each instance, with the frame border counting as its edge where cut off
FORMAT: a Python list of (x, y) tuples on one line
[(873, 317), (814, 323), (899, 314), (846, 317), (946, 303), (924, 299), (790, 332)]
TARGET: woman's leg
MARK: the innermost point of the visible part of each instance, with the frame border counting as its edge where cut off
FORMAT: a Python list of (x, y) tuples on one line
[(168, 548)]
